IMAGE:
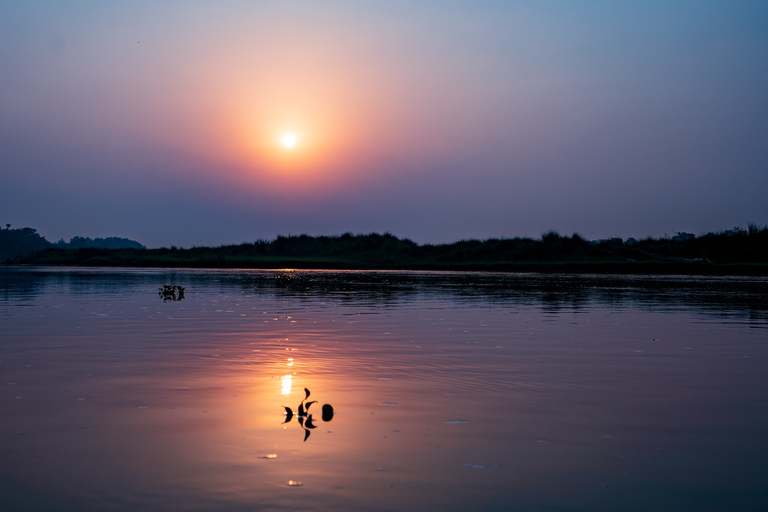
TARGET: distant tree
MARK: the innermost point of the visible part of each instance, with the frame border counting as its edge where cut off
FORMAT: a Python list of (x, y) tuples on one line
[(20, 242)]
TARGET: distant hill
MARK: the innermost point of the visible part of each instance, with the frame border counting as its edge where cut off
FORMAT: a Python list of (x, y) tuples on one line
[(20, 242)]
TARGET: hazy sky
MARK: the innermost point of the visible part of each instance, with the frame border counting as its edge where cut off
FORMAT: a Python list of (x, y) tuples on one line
[(433, 120)]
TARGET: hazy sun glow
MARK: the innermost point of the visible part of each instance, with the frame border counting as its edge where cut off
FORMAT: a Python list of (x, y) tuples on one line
[(289, 140)]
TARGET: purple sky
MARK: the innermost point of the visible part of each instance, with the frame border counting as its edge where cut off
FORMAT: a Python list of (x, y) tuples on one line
[(433, 120)]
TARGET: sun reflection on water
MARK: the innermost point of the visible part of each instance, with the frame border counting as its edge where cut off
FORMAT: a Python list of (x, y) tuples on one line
[(287, 380)]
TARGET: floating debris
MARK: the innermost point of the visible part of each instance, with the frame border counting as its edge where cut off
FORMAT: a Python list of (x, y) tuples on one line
[(305, 420), (295, 483), (171, 292), (327, 412), (269, 456)]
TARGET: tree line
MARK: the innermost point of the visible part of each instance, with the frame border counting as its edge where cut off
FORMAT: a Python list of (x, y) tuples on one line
[(683, 252)]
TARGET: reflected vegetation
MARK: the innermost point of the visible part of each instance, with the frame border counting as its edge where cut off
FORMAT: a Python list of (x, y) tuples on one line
[(742, 296)]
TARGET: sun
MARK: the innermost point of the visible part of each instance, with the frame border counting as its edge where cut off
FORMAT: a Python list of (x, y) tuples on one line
[(289, 140)]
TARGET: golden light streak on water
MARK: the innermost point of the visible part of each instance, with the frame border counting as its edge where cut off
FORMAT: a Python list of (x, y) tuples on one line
[(287, 380)]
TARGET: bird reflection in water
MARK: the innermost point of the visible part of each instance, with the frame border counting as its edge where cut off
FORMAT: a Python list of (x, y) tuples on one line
[(305, 418)]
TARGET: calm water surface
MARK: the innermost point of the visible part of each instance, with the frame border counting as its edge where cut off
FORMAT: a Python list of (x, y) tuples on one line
[(451, 391)]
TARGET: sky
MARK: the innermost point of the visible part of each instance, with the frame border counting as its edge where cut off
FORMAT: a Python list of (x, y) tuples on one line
[(432, 120)]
